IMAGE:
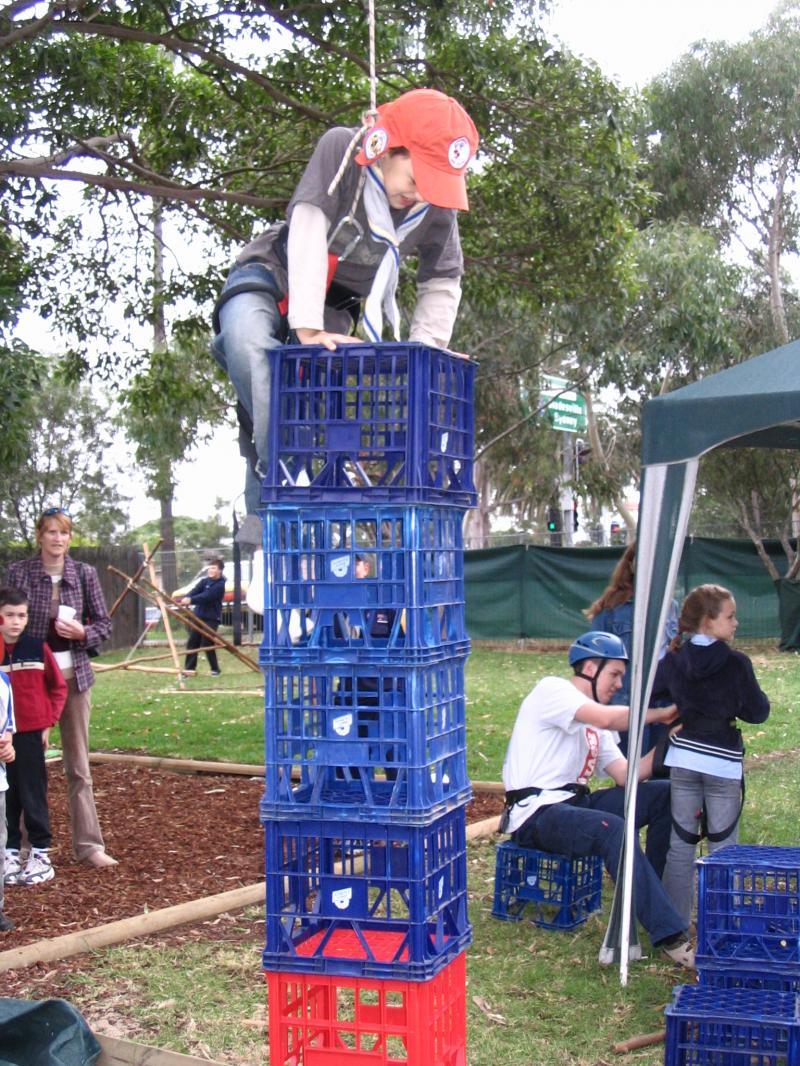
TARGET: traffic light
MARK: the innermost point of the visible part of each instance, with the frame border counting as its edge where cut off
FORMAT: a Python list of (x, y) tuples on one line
[(553, 520), (575, 522)]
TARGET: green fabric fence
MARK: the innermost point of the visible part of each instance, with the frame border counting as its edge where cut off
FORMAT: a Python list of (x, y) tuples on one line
[(539, 593)]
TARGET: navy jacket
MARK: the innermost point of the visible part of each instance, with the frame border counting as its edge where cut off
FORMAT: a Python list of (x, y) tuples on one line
[(206, 597), (712, 685)]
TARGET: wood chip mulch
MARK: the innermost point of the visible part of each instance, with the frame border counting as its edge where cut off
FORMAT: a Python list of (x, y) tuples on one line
[(177, 837)]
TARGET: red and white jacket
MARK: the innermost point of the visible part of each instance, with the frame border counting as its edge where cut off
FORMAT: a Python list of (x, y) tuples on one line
[(39, 688)]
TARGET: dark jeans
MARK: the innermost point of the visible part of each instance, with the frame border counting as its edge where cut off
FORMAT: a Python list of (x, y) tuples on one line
[(27, 792), (594, 825), (197, 640)]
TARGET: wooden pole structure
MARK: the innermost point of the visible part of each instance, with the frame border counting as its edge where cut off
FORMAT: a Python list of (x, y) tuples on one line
[(154, 594), (132, 580), (126, 663), (191, 619), (164, 614)]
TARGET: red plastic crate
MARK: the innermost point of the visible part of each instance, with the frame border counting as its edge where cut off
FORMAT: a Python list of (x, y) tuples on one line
[(318, 1020)]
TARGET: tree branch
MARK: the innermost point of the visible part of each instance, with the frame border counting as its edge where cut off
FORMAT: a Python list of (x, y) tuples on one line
[(162, 188), (185, 48)]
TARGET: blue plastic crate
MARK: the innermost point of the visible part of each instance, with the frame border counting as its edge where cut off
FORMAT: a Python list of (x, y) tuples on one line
[(560, 892), (380, 743), (749, 905), (374, 583), (386, 421), (415, 636), (773, 978), (333, 886), (731, 1027), (336, 558)]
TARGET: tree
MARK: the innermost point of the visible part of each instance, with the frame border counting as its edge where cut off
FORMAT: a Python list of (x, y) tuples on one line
[(190, 533), (214, 112), (723, 145), (66, 464), (138, 101)]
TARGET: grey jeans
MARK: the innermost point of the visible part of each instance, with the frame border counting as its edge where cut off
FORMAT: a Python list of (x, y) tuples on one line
[(690, 790)]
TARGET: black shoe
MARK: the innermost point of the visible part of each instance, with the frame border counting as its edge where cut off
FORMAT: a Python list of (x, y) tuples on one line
[(215, 673), (6, 925)]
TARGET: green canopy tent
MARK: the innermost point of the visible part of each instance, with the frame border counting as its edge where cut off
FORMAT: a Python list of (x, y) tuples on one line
[(753, 405)]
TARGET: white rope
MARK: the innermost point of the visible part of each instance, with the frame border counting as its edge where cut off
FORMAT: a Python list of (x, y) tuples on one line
[(368, 119)]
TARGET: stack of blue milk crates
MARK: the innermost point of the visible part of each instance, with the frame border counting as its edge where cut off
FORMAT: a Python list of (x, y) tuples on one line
[(369, 478), (746, 1008)]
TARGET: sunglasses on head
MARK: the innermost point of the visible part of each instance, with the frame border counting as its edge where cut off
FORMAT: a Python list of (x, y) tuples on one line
[(55, 510)]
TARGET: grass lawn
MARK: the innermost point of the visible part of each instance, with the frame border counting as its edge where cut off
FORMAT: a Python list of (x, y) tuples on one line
[(535, 998)]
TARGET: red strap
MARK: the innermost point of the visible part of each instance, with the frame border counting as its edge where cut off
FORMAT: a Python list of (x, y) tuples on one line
[(333, 262)]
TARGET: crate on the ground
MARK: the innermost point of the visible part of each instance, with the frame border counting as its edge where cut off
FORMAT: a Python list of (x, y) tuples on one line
[(557, 892), (316, 1019), (770, 976), (749, 906), (383, 743), (731, 1027), (366, 899), (386, 421)]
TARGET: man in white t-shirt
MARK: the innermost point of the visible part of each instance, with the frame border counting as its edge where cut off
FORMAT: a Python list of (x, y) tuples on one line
[(562, 737)]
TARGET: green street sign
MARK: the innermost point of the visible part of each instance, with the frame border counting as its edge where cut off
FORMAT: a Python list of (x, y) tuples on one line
[(565, 408)]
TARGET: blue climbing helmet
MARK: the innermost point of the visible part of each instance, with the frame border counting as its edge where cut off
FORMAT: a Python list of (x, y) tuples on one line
[(596, 645)]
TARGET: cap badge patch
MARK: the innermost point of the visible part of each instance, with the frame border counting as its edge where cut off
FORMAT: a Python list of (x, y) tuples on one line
[(375, 142), (458, 153)]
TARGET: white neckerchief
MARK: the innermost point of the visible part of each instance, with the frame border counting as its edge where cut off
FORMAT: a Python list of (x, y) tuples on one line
[(702, 639), (383, 294)]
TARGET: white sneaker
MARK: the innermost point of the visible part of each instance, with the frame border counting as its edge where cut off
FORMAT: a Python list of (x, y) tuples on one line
[(37, 869), (12, 867), (682, 953)]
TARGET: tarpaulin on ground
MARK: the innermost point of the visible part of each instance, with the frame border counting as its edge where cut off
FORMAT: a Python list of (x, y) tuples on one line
[(540, 592), (48, 1032)]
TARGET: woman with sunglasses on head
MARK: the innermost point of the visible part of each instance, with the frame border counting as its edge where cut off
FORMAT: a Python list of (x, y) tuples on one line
[(52, 580)]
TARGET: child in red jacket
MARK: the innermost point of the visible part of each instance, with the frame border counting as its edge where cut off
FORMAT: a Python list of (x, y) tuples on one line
[(40, 692)]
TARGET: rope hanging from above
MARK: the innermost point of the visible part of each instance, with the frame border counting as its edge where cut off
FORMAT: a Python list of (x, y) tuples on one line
[(368, 119)]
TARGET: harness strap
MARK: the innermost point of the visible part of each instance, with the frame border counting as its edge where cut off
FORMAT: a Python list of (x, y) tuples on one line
[(695, 838), (516, 795)]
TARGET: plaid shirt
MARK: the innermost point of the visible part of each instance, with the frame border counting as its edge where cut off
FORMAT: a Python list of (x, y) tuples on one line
[(30, 576)]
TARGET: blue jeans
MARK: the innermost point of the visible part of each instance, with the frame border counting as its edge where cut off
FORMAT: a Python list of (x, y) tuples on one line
[(250, 323), (594, 825), (690, 791)]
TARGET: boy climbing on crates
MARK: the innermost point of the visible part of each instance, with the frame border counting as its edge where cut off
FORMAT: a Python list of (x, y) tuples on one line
[(352, 218)]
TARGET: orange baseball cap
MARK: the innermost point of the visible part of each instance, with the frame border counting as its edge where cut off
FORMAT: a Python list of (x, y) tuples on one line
[(439, 135)]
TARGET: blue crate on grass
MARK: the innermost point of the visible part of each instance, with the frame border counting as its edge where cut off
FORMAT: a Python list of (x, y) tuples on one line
[(749, 906), (366, 899), (772, 977), (560, 892), (383, 743), (731, 1027), (385, 421)]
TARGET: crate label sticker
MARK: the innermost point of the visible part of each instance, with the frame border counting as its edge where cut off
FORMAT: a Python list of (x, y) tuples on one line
[(531, 880), (433, 776), (341, 898), (340, 566), (343, 725), (445, 439)]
